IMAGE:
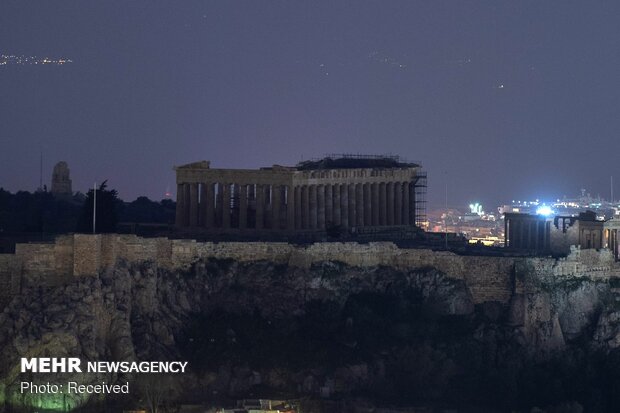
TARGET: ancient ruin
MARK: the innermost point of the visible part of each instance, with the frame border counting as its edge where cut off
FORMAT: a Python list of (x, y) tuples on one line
[(61, 182), (346, 192), (540, 234)]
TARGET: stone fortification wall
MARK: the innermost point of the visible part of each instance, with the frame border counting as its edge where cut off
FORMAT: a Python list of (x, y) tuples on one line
[(185, 252), (488, 278), (10, 277), (590, 263), (38, 260)]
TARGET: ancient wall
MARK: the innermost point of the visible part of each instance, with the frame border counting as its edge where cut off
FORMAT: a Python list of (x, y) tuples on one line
[(10, 277), (590, 263), (38, 260), (488, 278), (64, 258)]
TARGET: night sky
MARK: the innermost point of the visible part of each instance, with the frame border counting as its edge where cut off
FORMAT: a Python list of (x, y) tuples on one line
[(501, 100)]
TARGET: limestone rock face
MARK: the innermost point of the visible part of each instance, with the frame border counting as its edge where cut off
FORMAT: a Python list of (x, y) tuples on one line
[(349, 328), (579, 307)]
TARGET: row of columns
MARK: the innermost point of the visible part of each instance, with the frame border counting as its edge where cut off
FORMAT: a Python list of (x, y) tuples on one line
[(527, 234), (354, 205), (611, 241), (218, 205), (257, 206), (590, 238)]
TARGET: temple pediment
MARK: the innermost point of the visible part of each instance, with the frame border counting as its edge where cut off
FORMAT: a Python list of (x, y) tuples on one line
[(195, 165)]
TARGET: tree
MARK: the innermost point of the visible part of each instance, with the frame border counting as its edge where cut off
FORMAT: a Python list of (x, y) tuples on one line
[(107, 205), (37, 212), (145, 210)]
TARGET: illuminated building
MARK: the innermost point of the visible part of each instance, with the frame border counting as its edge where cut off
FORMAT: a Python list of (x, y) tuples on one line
[(345, 192), (547, 234)]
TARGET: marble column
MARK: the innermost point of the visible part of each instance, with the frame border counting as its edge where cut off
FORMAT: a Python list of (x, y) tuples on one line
[(382, 204), (290, 207), (305, 208), (320, 193), (251, 219), (312, 200), (506, 233), (374, 200), (344, 206), (260, 206), (218, 205), (405, 212), (243, 206), (234, 209), (412, 211), (389, 190), (336, 204), (367, 204), (329, 205), (352, 206), (209, 204), (193, 205), (226, 206), (181, 215), (298, 208), (202, 204), (188, 203), (277, 203), (398, 204), (266, 189), (359, 205)]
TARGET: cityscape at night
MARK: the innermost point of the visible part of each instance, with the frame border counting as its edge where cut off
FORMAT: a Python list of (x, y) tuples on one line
[(309, 207), (487, 227)]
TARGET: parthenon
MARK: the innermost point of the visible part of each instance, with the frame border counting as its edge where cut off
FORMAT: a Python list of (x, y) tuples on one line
[(345, 192)]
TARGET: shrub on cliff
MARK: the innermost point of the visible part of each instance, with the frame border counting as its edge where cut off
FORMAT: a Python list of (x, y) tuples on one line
[(106, 211)]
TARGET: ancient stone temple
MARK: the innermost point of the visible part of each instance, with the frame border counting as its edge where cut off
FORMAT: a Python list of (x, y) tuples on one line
[(345, 192), (61, 183)]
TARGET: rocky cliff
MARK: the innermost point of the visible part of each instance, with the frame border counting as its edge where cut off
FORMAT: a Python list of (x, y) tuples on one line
[(389, 335)]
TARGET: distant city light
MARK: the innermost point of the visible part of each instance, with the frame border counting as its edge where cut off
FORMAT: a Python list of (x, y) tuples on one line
[(476, 209), (544, 210), (24, 60)]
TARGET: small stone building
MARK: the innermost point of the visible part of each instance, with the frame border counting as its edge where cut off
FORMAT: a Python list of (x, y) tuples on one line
[(61, 182), (555, 235)]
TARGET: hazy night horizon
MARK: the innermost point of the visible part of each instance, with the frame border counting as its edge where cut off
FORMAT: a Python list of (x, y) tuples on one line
[(501, 100), (386, 206)]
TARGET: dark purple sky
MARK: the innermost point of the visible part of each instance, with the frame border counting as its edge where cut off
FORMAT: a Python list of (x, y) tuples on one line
[(502, 100)]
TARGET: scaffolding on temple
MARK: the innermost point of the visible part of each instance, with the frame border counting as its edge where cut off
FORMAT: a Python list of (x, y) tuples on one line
[(420, 200), (348, 160), (389, 156)]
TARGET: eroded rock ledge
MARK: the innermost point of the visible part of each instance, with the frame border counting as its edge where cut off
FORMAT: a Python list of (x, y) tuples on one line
[(396, 326)]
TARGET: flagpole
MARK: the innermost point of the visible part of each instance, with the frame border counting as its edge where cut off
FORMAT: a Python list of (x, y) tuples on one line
[(94, 207)]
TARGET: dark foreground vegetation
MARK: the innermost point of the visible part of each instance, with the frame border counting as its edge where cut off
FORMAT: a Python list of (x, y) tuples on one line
[(28, 216)]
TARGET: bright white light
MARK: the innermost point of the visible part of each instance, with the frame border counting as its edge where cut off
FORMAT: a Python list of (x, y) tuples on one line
[(476, 209), (544, 210)]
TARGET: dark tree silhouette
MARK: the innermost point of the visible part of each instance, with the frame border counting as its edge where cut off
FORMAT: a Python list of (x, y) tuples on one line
[(144, 210), (108, 205), (38, 212)]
